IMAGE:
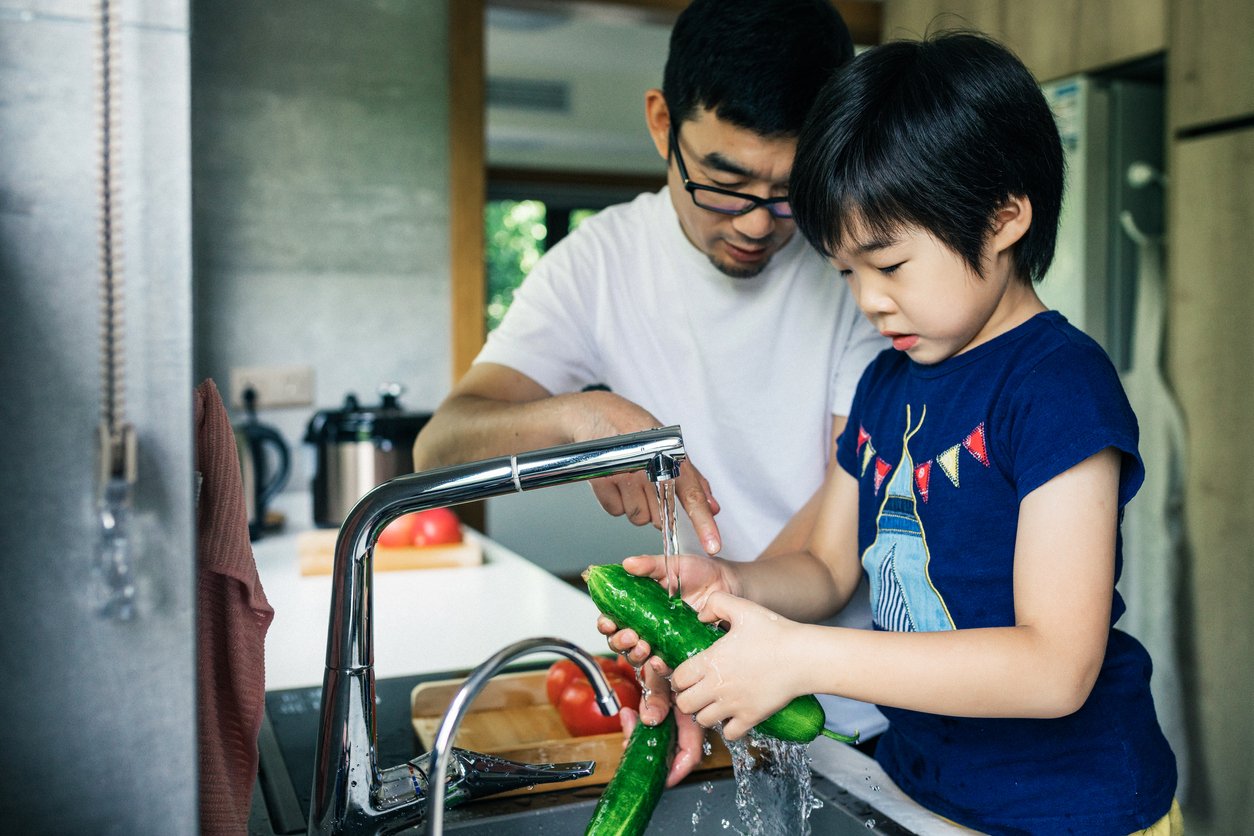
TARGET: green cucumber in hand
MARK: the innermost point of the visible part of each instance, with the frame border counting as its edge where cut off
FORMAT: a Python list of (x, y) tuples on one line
[(675, 634), (627, 803)]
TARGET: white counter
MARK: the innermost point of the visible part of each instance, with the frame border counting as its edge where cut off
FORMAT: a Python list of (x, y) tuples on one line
[(425, 620)]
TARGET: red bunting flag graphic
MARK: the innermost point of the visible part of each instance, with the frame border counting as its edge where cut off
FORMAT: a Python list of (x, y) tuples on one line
[(975, 445), (923, 475), (882, 469)]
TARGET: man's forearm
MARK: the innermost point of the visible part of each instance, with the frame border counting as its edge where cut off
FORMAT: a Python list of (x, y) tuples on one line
[(470, 427)]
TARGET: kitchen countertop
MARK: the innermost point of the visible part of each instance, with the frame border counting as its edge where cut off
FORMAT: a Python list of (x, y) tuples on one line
[(429, 621), (425, 620)]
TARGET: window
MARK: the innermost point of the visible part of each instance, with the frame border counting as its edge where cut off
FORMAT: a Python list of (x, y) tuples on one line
[(526, 215)]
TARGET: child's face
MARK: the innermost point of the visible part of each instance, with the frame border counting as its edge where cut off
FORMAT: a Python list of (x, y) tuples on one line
[(926, 298)]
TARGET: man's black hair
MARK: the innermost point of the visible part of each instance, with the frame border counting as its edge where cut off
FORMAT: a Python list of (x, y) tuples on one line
[(936, 134), (757, 64)]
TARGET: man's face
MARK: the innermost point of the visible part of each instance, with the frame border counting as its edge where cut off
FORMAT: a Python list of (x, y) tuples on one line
[(717, 153)]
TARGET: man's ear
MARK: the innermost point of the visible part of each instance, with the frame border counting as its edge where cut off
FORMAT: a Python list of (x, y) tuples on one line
[(1011, 222), (657, 116)]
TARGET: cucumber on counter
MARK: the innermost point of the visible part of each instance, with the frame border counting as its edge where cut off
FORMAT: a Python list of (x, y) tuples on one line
[(674, 633), (627, 803)]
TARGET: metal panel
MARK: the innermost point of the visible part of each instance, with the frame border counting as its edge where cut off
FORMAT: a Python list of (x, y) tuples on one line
[(99, 716)]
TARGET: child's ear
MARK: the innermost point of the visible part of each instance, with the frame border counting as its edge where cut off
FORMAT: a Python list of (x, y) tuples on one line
[(1011, 222)]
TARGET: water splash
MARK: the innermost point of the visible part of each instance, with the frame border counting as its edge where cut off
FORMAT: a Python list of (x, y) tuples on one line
[(774, 792)]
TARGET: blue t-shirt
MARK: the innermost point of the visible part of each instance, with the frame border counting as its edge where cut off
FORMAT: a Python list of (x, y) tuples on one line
[(943, 455)]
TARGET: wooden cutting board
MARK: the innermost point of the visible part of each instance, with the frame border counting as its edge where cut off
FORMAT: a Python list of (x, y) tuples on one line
[(512, 718), (316, 550)]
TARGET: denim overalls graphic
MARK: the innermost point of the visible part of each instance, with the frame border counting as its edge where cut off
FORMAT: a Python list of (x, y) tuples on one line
[(902, 595)]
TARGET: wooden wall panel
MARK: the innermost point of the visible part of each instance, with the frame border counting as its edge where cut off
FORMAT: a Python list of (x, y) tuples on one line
[(467, 180), (1210, 362), (1212, 62), (1054, 39), (907, 19)]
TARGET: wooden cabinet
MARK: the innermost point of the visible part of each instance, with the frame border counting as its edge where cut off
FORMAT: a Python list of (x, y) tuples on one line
[(1069, 36), (1208, 358), (911, 19), (1211, 71), (1054, 39)]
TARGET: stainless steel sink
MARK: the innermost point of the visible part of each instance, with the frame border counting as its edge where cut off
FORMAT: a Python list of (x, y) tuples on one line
[(691, 809)]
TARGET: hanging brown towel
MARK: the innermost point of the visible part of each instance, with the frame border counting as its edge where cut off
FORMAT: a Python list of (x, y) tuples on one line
[(232, 617)]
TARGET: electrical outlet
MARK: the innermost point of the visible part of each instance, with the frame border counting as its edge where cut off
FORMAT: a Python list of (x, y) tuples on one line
[(274, 385)]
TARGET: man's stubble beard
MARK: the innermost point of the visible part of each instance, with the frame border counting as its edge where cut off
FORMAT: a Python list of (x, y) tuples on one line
[(737, 272)]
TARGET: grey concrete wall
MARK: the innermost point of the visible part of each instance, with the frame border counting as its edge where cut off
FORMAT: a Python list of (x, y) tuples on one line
[(320, 180), (97, 718)]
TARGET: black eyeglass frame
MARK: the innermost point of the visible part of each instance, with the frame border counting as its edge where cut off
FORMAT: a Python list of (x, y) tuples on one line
[(770, 204)]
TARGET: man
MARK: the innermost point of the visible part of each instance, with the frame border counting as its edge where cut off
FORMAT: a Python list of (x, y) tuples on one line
[(697, 306)]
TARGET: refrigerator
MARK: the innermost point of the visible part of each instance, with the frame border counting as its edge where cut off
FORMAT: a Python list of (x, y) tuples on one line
[(1107, 125)]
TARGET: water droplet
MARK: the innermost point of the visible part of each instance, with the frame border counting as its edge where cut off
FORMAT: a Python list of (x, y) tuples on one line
[(870, 824)]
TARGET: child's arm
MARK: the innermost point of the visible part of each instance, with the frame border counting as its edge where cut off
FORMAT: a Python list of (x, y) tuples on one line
[(1043, 666)]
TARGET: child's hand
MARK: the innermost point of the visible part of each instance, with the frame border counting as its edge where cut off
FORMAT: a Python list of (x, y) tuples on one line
[(699, 576), (738, 681)]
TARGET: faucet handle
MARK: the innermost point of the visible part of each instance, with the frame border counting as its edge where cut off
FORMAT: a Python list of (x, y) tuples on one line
[(475, 775)]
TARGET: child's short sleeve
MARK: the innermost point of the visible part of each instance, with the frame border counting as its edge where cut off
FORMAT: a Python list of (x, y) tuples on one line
[(1068, 407), (848, 444)]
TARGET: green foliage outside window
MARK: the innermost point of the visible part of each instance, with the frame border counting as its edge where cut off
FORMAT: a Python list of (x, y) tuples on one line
[(515, 232), (514, 236)]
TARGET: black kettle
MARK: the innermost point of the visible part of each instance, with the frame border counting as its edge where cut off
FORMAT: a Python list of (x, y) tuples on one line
[(265, 464)]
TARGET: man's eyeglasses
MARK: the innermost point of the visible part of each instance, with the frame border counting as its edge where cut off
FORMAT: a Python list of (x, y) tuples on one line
[(725, 201)]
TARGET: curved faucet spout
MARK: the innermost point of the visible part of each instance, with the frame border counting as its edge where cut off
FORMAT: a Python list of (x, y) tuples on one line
[(442, 746)]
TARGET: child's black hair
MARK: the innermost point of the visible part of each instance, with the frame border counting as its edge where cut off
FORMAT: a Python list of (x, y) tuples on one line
[(757, 64), (936, 134)]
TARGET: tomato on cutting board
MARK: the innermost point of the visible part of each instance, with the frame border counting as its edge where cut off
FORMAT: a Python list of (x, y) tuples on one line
[(398, 533), (434, 527), (563, 672), (579, 711)]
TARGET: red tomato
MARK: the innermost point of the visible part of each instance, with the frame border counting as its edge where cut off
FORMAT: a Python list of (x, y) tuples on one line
[(399, 532), (626, 669), (578, 706), (563, 672), (436, 527), (559, 676)]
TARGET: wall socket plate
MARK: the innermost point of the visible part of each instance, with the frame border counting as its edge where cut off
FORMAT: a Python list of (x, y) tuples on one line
[(274, 385)]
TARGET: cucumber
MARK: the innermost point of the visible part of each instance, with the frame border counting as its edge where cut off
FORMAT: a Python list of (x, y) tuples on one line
[(627, 803), (674, 633)]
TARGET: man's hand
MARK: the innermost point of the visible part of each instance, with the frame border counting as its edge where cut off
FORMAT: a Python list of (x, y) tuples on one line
[(655, 704), (631, 494)]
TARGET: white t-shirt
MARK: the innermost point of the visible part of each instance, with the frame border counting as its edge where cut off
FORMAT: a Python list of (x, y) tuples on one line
[(752, 370)]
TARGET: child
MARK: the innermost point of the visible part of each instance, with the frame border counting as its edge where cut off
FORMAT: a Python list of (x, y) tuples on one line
[(981, 479)]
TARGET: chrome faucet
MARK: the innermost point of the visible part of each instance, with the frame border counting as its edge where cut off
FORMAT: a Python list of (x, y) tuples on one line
[(351, 792)]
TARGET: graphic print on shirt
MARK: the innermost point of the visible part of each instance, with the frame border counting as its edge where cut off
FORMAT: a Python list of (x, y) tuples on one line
[(903, 597)]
